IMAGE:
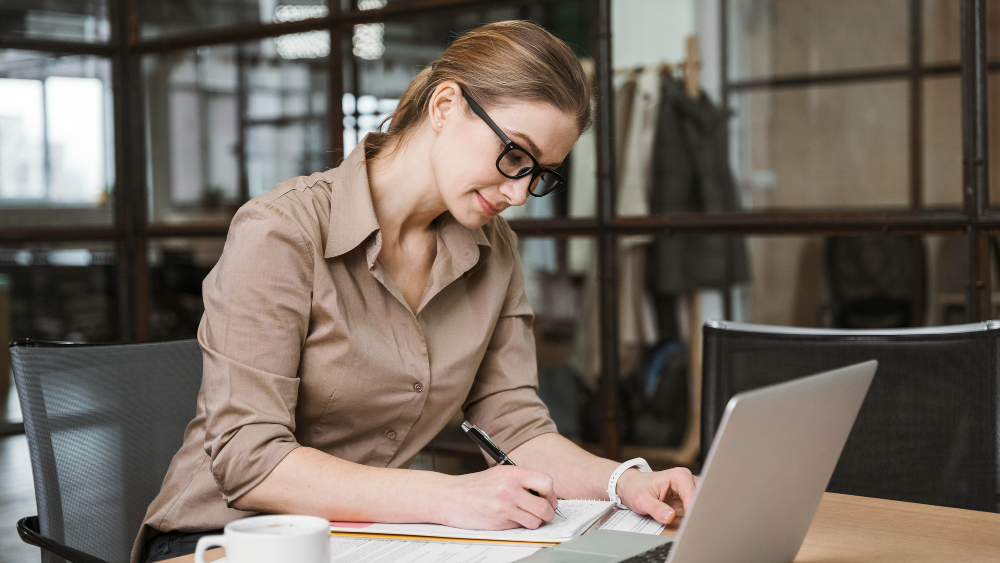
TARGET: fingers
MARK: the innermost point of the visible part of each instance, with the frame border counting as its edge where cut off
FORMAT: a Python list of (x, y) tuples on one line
[(683, 484), (538, 507), (541, 483), (542, 506), (525, 508), (655, 508), (529, 519), (676, 504), (668, 494)]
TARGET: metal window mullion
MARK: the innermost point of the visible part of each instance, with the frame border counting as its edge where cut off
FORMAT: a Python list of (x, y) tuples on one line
[(916, 149), (724, 60), (346, 19), (838, 78), (335, 84), (729, 293), (974, 155), (242, 176), (57, 47), (606, 238), (122, 202), (916, 103)]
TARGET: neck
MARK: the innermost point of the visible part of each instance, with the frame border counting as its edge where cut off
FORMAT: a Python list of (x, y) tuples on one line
[(404, 193)]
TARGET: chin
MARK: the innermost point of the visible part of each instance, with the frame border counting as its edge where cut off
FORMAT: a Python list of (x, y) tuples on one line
[(472, 220)]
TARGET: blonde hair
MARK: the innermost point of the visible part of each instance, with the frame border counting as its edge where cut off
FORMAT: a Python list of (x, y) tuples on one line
[(497, 63)]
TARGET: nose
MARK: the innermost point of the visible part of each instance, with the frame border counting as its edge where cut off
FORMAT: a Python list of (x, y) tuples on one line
[(516, 190)]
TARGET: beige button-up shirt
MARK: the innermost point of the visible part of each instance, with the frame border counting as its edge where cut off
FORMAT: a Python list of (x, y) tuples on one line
[(308, 342)]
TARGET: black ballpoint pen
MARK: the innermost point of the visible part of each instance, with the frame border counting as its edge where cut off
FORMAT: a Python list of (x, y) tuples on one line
[(483, 441)]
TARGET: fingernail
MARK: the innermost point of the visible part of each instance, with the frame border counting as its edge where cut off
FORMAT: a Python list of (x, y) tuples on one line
[(667, 514)]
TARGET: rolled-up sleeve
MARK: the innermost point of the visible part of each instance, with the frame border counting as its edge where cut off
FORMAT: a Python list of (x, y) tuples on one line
[(504, 398), (257, 305)]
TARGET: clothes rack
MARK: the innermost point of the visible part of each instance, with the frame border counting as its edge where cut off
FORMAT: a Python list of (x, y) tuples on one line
[(689, 68)]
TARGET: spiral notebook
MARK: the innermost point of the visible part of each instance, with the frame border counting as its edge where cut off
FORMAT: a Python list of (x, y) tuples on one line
[(579, 515)]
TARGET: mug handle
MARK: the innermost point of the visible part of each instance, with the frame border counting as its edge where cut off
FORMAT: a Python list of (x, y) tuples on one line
[(205, 543)]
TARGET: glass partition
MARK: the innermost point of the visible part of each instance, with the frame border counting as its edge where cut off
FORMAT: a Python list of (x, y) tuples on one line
[(788, 147), (789, 37), (73, 20), (226, 123), (942, 31), (846, 282), (993, 123), (942, 122), (60, 291), (157, 18), (177, 268), (57, 158), (822, 146)]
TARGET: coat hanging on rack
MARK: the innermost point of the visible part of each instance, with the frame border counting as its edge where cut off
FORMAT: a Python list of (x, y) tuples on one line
[(690, 174)]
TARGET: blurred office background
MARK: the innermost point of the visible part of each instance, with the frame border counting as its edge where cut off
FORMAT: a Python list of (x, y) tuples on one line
[(807, 170)]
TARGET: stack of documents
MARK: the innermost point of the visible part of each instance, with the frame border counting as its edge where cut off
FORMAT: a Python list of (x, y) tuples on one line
[(432, 543), (579, 515), (415, 550)]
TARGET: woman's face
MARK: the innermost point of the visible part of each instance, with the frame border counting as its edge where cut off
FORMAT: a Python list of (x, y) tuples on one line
[(465, 152)]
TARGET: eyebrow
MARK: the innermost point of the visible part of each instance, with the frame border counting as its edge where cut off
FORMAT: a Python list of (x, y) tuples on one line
[(531, 145)]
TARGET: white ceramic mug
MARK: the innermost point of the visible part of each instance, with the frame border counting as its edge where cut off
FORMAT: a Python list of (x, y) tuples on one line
[(267, 539)]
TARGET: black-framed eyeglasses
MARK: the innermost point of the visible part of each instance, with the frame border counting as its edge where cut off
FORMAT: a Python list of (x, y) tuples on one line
[(516, 162)]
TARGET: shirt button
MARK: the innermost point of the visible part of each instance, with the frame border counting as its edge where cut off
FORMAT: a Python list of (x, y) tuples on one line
[(391, 434), (418, 387)]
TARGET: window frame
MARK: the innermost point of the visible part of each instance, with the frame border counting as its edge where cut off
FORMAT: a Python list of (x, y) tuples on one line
[(132, 231)]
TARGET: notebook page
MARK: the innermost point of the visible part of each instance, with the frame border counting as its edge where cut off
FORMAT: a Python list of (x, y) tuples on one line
[(579, 514), (624, 520)]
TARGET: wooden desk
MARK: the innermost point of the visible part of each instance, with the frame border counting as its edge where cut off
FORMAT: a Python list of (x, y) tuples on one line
[(857, 529)]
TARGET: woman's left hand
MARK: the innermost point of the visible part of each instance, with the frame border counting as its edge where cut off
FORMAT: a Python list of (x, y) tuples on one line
[(661, 494)]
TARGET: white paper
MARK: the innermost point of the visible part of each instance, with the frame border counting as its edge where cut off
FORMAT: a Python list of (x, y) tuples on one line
[(579, 514), (352, 550), (624, 520)]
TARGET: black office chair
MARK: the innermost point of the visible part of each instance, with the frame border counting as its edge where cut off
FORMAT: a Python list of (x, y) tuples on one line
[(102, 424), (875, 282), (928, 429)]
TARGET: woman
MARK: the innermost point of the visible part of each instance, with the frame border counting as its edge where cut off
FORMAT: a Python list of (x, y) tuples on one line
[(353, 311)]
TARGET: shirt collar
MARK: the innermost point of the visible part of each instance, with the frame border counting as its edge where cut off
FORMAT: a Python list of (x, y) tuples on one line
[(352, 215)]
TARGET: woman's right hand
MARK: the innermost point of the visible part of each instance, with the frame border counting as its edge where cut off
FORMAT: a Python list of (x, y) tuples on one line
[(498, 499)]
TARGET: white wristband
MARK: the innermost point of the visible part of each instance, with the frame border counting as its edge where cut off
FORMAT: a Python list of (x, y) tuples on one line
[(613, 482)]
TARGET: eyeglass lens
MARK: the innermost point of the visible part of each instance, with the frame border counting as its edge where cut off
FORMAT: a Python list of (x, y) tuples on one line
[(546, 183), (515, 163)]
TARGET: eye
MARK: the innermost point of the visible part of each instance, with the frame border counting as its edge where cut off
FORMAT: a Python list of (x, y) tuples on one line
[(515, 163)]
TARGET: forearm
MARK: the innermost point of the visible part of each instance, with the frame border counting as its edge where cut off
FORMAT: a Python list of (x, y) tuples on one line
[(308, 481), (576, 473)]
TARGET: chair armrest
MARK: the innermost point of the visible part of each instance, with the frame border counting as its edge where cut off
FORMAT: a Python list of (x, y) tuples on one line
[(27, 528)]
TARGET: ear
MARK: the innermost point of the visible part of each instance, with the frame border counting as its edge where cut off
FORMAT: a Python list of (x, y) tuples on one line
[(444, 103)]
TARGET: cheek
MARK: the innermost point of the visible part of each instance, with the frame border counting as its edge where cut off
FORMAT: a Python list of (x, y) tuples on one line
[(463, 164)]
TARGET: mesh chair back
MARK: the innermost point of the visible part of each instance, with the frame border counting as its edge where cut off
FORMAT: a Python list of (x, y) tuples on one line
[(927, 431), (102, 424)]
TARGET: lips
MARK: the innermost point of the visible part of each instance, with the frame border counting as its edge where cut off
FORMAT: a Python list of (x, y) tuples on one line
[(485, 205)]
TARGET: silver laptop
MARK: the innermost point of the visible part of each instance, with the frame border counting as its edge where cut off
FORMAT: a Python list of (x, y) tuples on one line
[(762, 482)]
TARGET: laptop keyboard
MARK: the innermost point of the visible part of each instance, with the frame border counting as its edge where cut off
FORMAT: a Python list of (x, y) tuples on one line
[(657, 554)]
